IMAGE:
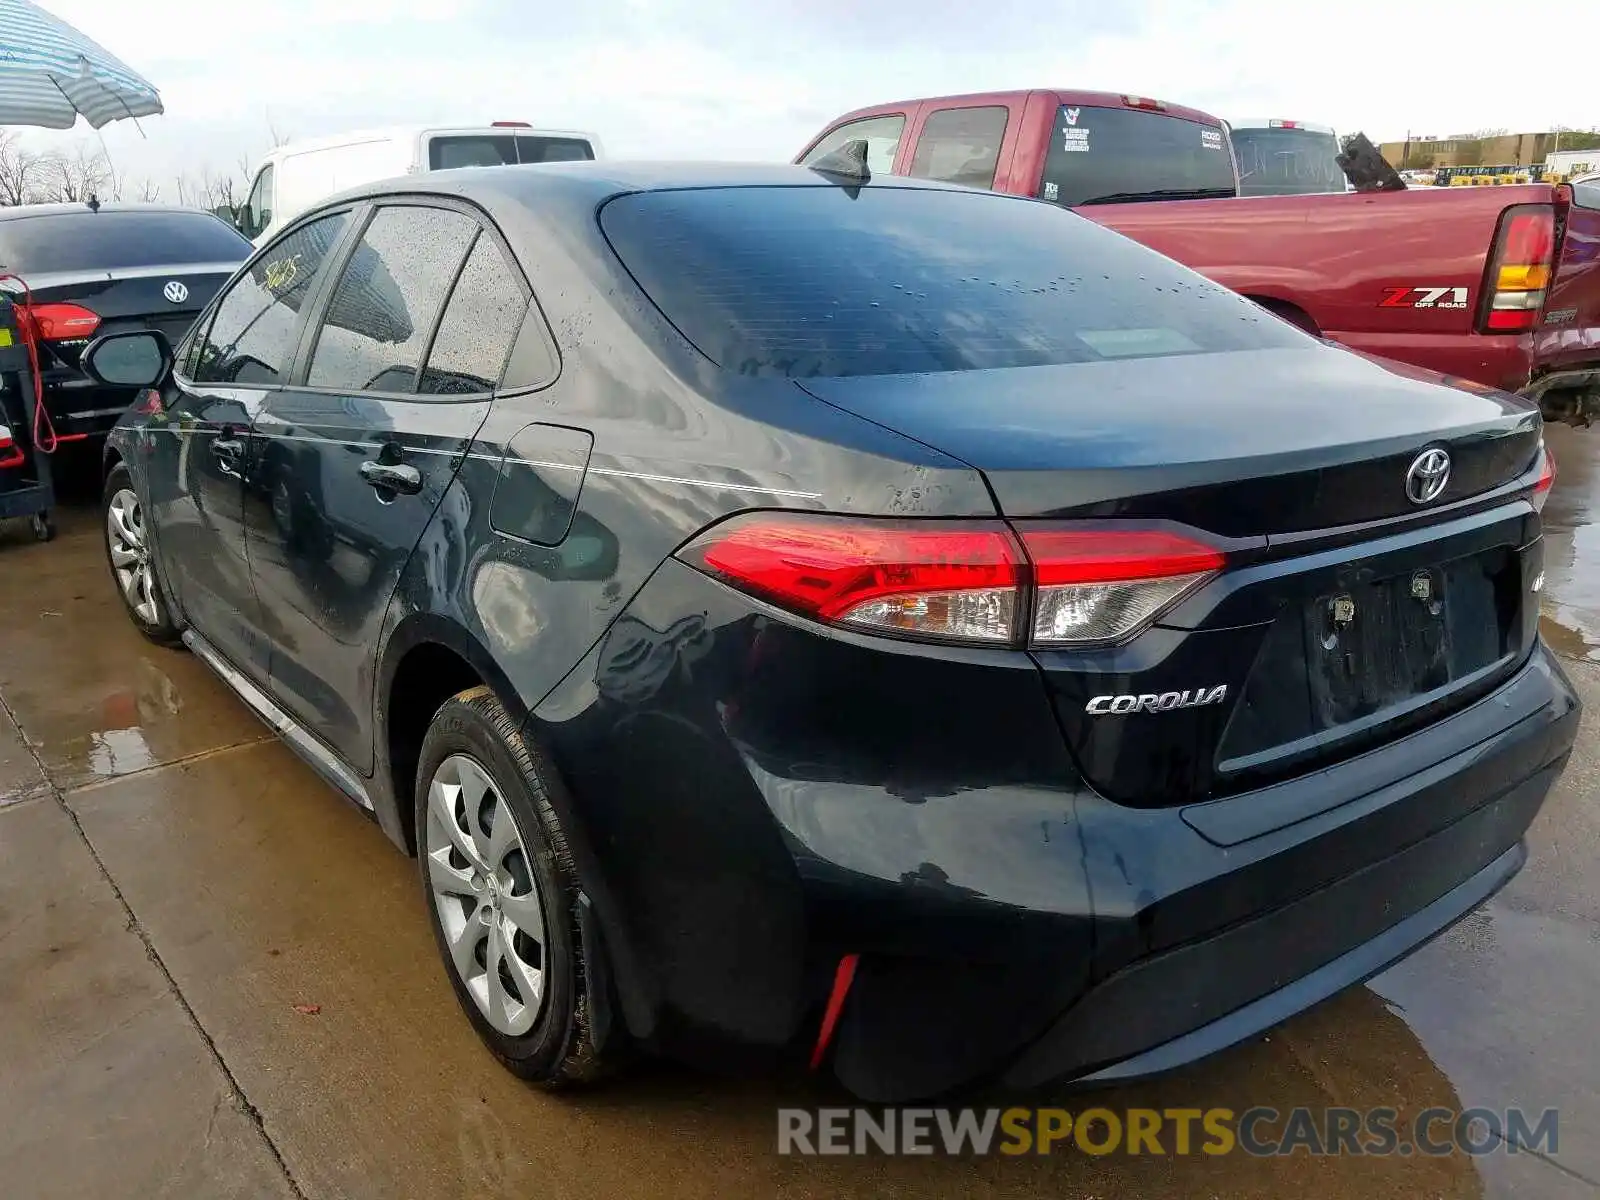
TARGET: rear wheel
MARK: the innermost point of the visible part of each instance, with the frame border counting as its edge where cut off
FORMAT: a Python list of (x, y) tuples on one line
[(132, 564), (501, 892)]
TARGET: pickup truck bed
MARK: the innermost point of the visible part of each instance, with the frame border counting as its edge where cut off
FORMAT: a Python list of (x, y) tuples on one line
[(1410, 275), (1400, 274)]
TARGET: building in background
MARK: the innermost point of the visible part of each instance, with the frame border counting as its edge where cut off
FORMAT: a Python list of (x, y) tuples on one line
[(1485, 149)]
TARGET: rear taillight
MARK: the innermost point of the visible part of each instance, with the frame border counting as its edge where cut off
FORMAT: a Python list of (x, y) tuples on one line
[(61, 322), (958, 581), (1519, 271), (1547, 476), (1105, 585), (1144, 102), (1276, 124), (951, 582)]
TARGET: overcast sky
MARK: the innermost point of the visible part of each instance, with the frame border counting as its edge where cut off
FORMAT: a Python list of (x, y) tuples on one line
[(718, 79)]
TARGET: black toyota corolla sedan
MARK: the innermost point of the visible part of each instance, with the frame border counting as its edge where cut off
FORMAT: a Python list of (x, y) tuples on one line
[(901, 629)]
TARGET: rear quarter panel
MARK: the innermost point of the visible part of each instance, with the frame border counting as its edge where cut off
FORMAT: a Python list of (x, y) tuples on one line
[(1569, 336)]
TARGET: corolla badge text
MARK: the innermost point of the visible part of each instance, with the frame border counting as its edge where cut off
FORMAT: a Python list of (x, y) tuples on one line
[(1156, 702)]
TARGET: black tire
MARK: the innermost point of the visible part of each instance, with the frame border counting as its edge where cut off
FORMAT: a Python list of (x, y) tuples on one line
[(558, 1051), (163, 630)]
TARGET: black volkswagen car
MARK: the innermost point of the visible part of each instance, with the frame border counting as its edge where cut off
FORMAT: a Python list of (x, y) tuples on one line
[(102, 268), (907, 630)]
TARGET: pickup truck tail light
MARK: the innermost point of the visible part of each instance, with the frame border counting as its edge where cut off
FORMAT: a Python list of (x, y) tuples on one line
[(958, 581), (1519, 269)]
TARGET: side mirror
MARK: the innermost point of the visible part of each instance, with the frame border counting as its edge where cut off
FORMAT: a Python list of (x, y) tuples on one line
[(139, 358)]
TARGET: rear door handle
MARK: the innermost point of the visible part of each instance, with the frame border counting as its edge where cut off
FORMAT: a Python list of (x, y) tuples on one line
[(392, 477)]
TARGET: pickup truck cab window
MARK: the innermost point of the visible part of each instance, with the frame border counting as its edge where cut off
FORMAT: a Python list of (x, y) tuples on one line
[(960, 145), (1115, 155), (882, 135)]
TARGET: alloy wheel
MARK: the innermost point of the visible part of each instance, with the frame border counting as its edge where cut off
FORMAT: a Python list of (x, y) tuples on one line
[(485, 895), (130, 556)]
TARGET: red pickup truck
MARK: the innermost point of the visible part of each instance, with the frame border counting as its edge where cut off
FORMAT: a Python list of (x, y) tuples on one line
[(1499, 285)]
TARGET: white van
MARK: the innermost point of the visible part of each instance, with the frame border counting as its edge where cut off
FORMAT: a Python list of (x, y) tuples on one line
[(295, 176)]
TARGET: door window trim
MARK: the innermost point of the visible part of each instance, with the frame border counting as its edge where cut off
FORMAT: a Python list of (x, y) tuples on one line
[(296, 378), (202, 325)]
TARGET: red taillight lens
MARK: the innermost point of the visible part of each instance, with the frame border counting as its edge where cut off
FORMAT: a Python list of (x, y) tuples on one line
[(1547, 476), (958, 581), (954, 582), (1519, 270), (62, 322), (1105, 585)]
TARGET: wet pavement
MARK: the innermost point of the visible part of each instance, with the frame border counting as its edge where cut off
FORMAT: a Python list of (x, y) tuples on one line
[(177, 892)]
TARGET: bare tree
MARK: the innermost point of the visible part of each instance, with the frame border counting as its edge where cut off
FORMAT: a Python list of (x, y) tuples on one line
[(76, 176), (149, 191), (22, 171)]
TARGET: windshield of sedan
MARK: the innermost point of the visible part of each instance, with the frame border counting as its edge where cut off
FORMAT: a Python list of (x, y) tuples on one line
[(1287, 162), (1117, 155), (831, 281)]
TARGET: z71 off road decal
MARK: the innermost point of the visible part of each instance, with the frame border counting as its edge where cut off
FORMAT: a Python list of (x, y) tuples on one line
[(1424, 297)]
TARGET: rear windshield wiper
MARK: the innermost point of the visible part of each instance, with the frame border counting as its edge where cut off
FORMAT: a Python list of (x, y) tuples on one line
[(1212, 193)]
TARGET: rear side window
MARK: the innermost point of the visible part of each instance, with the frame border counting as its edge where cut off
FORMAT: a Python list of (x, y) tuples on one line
[(499, 150), (1108, 155), (110, 240), (478, 327), (377, 322), (882, 135), (960, 145), (808, 281), (251, 339)]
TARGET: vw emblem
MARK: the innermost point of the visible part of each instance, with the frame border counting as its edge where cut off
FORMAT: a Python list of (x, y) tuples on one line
[(175, 291), (1429, 472)]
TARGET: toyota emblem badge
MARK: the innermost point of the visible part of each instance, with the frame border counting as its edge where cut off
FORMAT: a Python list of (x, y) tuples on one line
[(1426, 479), (175, 291)]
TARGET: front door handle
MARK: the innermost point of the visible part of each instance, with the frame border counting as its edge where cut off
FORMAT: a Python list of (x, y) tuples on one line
[(392, 477)]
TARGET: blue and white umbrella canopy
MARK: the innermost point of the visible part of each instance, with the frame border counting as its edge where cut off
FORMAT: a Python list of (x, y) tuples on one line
[(50, 73)]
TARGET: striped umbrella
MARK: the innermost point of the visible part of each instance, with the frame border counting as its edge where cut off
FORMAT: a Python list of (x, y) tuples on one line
[(50, 73)]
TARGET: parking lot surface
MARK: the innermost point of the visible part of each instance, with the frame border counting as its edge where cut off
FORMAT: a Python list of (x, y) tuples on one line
[(216, 979)]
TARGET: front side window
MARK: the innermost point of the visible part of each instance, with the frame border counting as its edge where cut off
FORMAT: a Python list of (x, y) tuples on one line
[(258, 208), (882, 135), (252, 337), (378, 319), (479, 325), (960, 145)]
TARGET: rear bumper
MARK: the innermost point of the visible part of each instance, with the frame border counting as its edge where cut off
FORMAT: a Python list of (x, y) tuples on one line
[(77, 404), (758, 797)]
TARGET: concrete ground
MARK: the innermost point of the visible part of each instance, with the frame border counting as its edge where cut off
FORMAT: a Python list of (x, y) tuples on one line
[(177, 892)]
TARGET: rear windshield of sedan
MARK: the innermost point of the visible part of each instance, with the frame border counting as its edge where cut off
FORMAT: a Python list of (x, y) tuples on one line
[(110, 241), (830, 281)]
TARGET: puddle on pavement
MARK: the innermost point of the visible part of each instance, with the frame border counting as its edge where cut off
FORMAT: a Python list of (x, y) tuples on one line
[(1571, 620)]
